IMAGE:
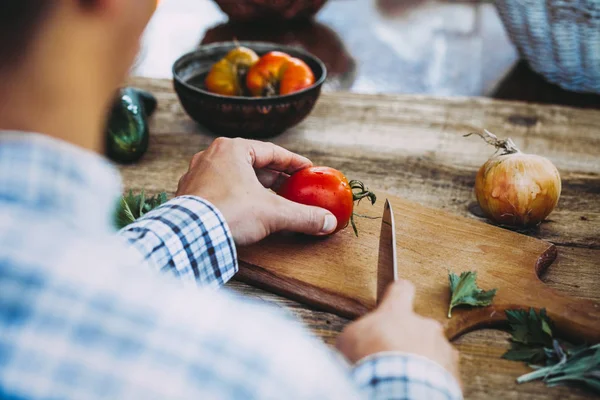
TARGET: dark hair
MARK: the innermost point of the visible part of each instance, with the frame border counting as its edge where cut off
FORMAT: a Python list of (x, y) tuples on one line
[(19, 22)]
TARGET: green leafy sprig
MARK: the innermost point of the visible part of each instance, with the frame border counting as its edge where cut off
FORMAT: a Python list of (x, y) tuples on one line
[(555, 362), (531, 335), (131, 207), (464, 291)]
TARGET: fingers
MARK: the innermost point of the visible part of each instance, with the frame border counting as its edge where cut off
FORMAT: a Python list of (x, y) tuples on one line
[(258, 154), (271, 179), (296, 217), (268, 155), (195, 160), (399, 296)]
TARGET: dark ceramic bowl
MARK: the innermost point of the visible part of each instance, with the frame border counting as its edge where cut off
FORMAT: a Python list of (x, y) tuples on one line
[(249, 117)]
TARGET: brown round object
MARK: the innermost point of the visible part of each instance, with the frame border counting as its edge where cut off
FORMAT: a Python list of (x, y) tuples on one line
[(271, 10)]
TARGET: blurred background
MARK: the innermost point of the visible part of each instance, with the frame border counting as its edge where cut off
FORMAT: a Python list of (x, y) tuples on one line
[(444, 48)]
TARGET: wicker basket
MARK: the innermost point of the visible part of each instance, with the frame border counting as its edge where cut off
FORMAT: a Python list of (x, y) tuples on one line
[(560, 39)]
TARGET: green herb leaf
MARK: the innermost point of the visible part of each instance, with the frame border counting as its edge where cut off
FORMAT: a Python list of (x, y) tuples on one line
[(531, 336), (529, 328), (153, 202), (533, 342), (131, 207), (124, 215), (464, 291), (582, 367), (526, 353), (142, 203)]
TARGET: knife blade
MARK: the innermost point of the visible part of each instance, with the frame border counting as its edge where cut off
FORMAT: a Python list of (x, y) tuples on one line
[(387, 267)]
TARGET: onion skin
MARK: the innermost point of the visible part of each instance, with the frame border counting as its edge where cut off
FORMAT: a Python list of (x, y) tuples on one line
[(518, 189)]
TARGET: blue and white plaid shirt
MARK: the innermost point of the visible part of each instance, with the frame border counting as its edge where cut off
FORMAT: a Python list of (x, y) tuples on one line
[(83, 316)]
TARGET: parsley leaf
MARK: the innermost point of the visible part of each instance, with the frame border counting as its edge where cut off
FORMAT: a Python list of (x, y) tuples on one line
[(525, 353), (464, 291), (529, 328), (532, 338), (131, 207)]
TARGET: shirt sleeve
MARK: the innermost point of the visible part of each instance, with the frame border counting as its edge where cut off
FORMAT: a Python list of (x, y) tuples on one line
[(394, 375), (188, 237)]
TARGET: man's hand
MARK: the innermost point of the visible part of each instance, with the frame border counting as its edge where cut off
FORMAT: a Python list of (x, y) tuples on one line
[(234, 174), (394, 326)]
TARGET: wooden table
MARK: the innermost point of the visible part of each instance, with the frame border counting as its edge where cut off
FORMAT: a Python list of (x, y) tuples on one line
[(412, 146)]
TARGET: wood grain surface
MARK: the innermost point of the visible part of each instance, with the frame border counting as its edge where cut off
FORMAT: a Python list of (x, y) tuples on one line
[(412, 147), (339, 273)]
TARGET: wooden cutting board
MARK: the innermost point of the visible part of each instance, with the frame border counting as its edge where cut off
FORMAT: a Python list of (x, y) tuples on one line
[(338, 273)]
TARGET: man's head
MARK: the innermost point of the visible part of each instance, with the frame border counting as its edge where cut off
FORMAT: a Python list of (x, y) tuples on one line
[(59, 54), (19, 21), (114, 24)]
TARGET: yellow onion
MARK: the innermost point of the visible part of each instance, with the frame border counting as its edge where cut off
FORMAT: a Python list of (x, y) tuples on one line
[(514, 188)]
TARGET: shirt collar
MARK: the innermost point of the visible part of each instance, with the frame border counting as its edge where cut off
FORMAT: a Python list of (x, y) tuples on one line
[(58, 178)]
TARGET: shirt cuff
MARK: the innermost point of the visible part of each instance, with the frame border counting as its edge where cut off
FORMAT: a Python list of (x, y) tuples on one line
[(189, 237), (390, 375)]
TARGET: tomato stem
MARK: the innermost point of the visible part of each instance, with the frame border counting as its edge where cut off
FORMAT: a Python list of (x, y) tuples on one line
[(359, 192), (366, 216), (353, 225), (272, 86)]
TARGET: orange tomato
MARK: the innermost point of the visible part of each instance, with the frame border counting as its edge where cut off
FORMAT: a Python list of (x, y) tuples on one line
[(296, 76), (278, 73), (263, 76)]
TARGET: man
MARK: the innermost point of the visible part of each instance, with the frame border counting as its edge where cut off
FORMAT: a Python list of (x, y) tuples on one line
[(82, 313)]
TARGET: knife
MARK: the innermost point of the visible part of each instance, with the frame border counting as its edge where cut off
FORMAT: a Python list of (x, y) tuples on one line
[(387, 267)]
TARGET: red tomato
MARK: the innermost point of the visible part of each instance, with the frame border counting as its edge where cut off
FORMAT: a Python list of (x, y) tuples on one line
[(326, 188)]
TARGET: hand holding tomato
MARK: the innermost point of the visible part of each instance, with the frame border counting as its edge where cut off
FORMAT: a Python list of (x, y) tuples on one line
[(327, 188), (233, 174)]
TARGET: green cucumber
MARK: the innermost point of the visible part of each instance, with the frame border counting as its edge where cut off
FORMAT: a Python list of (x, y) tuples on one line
[(127, 133)]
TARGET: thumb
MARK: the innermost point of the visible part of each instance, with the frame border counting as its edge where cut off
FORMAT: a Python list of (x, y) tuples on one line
[(296, 217), (399, 297)]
